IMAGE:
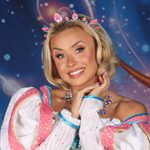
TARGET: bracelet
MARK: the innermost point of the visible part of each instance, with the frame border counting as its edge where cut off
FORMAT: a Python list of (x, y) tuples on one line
[(68, 122), (93, 96)]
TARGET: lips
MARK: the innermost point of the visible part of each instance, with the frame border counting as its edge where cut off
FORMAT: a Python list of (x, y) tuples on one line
[(76, 73)]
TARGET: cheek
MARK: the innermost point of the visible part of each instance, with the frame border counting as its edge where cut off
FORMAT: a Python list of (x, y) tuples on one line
[(89, 57), (60, 66)]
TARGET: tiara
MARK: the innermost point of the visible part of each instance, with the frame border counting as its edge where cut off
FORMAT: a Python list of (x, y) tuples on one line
[(65, 14)]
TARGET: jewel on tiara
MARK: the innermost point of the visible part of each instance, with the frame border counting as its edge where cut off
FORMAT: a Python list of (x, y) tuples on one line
[(65, 14), (57, 17)]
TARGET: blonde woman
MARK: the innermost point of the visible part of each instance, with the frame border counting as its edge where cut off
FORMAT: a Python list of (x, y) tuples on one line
[(82, 112)]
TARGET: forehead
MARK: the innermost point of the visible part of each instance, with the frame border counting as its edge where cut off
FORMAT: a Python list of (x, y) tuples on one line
[(69, 37)]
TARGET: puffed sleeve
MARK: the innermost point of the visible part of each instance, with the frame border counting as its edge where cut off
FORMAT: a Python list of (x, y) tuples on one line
[(26, 125), (63, 133), (133, 138), (99, 133), (90, 123), (4, 128)]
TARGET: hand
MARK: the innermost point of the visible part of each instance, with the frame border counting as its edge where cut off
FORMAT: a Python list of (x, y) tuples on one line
[(76, 102), (103, 87), (97, 89)]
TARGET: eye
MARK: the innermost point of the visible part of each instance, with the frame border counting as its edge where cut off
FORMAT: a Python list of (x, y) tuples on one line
[(60, 56), (80, 49)]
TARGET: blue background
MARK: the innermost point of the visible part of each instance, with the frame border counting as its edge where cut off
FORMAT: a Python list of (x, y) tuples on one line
[(127, 23)]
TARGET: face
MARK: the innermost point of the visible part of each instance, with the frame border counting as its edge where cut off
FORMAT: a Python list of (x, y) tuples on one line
[(74, 55)]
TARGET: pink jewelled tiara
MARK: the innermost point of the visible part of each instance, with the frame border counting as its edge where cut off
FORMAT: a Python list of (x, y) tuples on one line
[(65, 14)]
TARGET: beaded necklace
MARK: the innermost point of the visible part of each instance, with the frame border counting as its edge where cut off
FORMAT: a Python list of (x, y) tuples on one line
[(107, 102)]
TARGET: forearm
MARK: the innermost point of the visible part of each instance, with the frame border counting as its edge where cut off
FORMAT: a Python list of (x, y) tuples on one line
[(62, 134), (90, 123)]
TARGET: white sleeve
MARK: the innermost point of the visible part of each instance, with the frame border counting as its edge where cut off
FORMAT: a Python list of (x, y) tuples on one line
[(63, 133), (132, 139), (26, 125), (90, 123), (4, 128)]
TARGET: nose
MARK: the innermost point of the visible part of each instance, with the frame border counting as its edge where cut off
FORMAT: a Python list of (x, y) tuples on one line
[(71, 61)]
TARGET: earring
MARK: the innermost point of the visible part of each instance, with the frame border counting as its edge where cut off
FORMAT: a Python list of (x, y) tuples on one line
[(68, 98)]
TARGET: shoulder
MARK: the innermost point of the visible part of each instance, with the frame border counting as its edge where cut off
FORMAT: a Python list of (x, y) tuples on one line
[(127, 108), (15, 100), (19, 93)]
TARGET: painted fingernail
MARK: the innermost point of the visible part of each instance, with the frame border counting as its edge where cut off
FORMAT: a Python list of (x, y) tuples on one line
[(98, 84)]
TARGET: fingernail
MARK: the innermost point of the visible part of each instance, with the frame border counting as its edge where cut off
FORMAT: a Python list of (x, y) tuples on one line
[(98, 84)]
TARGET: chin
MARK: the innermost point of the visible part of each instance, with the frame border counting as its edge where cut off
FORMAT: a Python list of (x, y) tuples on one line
[(79, 84)]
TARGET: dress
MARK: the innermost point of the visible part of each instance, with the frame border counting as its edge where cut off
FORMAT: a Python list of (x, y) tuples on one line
[(30, 124)]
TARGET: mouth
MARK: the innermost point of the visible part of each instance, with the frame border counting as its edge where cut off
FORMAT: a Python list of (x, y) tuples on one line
[(77, 73)]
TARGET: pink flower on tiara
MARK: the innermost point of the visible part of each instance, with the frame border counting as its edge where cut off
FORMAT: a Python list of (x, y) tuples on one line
[(45, 29), (74, 16), (57, 17), (93, 22), (98, 27), (84, 19), (67, 18)]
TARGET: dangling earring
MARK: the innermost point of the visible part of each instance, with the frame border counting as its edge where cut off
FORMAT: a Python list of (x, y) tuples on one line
[(68, 98)]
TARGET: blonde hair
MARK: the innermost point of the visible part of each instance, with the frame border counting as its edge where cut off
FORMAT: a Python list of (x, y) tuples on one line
[(105, 54)]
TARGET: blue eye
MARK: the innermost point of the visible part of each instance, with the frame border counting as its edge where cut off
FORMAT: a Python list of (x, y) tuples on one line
[(78, 50), (60, 56)]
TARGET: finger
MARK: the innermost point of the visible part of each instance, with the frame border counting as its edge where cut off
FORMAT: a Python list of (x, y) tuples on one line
[(100, 79), (106, 81), (106, 78), (88, 89)]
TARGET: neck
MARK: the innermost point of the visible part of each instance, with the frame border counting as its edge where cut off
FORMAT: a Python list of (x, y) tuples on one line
[(114, 96)]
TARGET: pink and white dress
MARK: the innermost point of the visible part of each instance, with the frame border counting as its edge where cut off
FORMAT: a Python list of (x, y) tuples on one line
[(30, 124)]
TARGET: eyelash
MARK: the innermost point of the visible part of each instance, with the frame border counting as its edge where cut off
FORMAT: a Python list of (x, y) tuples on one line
[(60, 56), (80, 49)]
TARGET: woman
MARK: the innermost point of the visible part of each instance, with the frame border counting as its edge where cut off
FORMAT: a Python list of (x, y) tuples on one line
[(79, 59)]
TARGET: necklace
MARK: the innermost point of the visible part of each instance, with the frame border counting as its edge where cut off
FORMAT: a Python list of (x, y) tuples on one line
[(107, 102)]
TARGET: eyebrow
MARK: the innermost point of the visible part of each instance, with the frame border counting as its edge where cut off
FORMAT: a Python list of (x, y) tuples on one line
[(71, 46)]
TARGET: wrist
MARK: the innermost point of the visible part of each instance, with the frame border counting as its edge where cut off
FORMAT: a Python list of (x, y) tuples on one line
[(91, 104), (68, 119), (94, 97), (75, 114)]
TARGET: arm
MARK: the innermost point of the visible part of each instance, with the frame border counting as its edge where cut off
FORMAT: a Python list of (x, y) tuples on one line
[(62, 134), (91, 123), (26, 125), (133, 138), (4, 128), (126, 135)]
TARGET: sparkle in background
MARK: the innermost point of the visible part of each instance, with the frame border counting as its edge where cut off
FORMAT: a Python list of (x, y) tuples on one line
[(127, 23)]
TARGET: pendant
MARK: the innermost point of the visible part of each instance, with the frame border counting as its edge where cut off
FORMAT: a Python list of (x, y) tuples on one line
[(107, 102)]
